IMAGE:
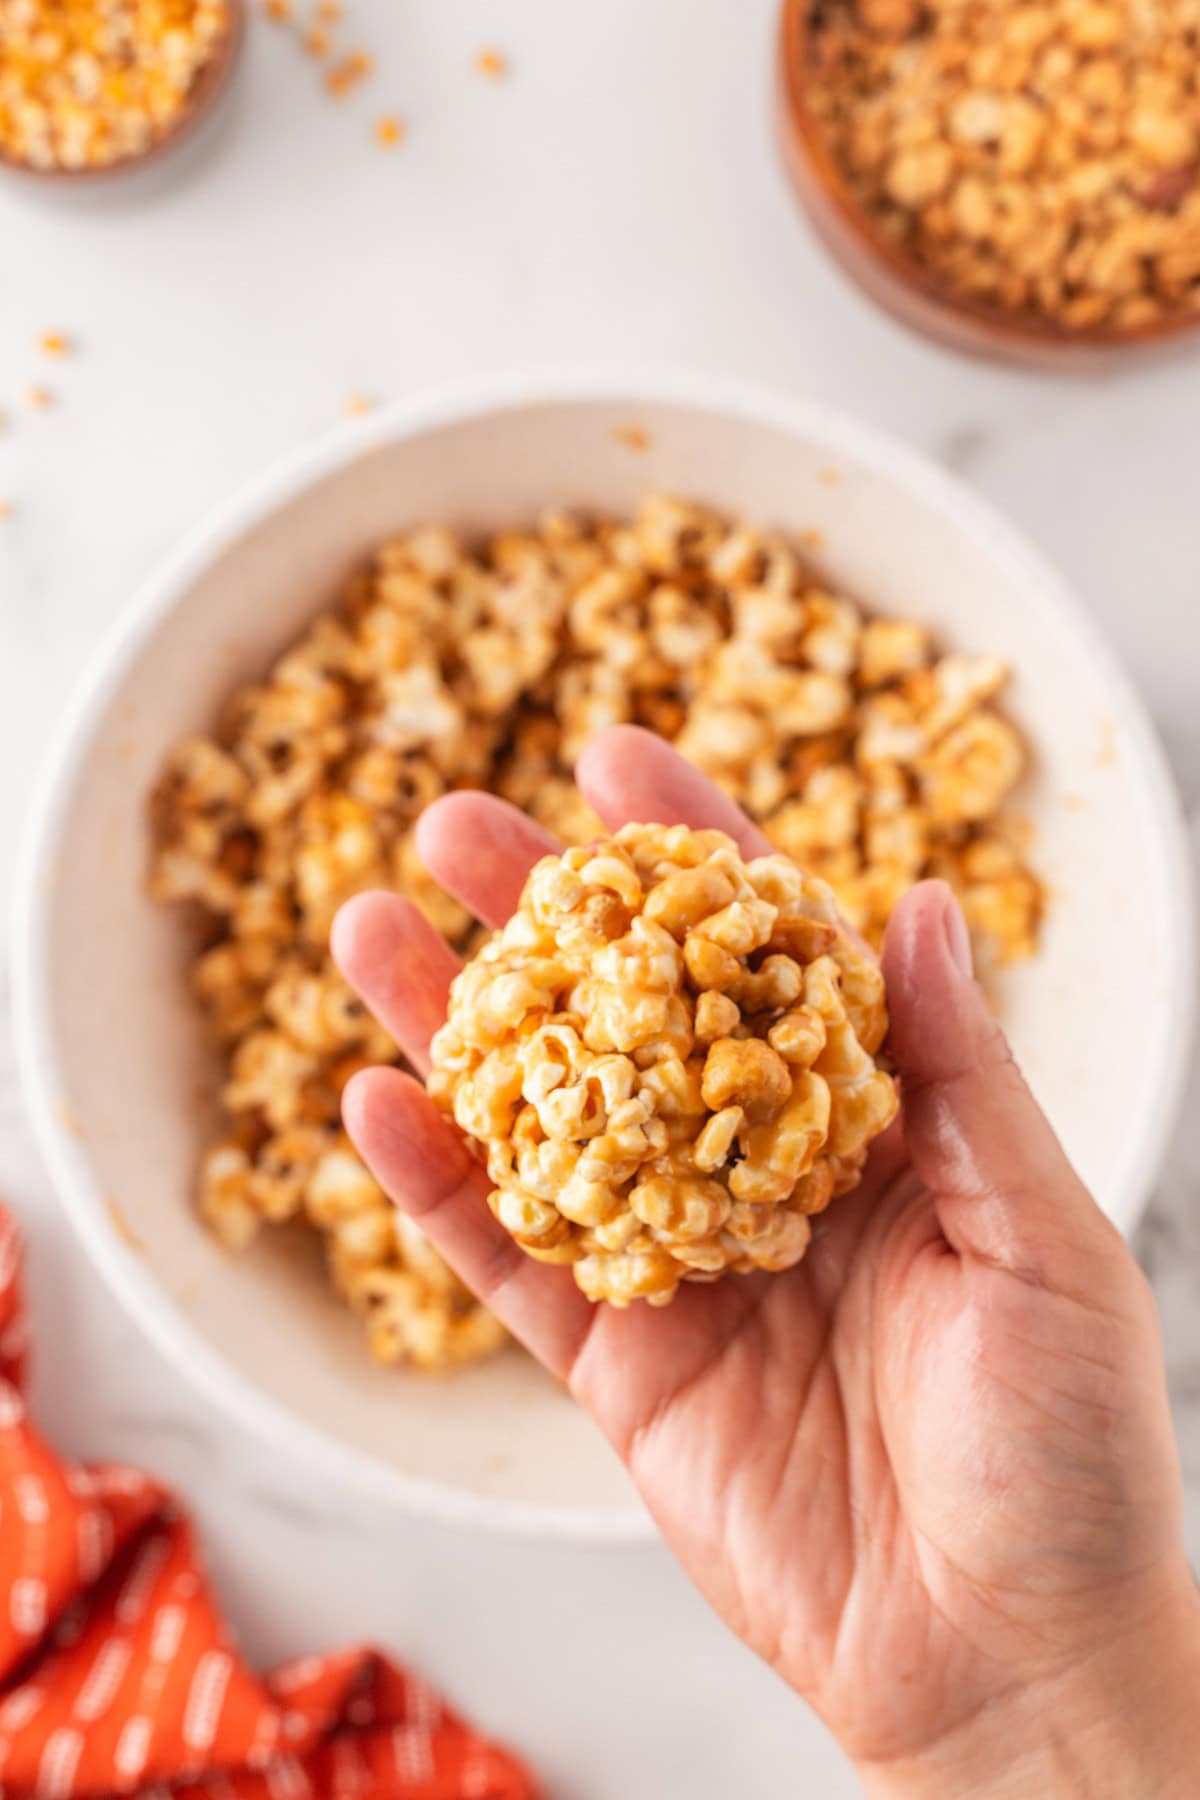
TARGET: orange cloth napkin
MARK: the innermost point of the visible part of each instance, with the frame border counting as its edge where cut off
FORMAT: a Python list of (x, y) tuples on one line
[(117, 1675)]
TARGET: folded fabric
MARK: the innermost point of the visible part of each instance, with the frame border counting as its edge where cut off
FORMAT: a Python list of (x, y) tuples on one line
[(117, 1675)]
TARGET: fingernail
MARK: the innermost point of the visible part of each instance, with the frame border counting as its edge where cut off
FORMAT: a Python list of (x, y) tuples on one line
[(958, 938)]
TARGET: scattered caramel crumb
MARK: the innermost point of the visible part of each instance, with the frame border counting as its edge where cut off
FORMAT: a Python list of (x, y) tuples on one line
[(68, 1121), (810, 538), (353, 69), (1106, 755), (1074, 802), (39, 398), (632, 437), (357, 404), (279, 10), (318, 43), (389, 131), (829, 477), (121, 1225), (54, 343), (5, 509), (492, 63), (329, 11)]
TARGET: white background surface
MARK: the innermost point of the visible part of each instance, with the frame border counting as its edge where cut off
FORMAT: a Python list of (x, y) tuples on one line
[(617, 198)]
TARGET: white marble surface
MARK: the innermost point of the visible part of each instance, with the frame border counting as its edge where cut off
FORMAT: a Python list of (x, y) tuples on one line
[(617, 198)]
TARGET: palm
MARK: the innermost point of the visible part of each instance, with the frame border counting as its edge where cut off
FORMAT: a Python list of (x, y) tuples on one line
[(870, 1536), (788, 1354), (855, 1459)]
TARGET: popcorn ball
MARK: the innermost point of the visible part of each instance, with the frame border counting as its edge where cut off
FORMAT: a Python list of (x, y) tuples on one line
[(668, 1055)]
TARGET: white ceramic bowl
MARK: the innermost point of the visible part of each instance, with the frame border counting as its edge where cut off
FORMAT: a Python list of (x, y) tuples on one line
[(109, 1041)]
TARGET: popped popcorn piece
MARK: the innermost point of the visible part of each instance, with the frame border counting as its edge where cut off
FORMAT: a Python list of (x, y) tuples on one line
[(226, 1202), (966, 776), (620, 1143)]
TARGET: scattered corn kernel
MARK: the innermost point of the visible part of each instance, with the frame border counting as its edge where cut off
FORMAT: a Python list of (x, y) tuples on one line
[(54, 343), (39, 398), (357, 404), (492, 63), (318, 43), (279, 10), (389, 131), (348, 73)]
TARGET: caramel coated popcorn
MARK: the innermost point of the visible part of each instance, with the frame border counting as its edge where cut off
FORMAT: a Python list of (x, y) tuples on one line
[(668, 1055), (1033, 158), (88, 83), (869, 759)]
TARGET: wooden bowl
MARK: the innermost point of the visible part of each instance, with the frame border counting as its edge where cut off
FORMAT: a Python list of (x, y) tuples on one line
[(202, 97), (900, 283)]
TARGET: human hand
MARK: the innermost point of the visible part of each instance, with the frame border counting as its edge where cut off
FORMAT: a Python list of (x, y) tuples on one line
[(929, 1473)]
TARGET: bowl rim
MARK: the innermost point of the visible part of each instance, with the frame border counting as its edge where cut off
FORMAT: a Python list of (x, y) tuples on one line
[(75, 1185)]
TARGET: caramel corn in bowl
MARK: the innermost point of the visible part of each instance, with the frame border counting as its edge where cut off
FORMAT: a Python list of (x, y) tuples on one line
[(668, 1056)]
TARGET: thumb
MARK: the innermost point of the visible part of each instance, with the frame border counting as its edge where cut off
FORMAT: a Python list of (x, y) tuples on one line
[(1001, 1182)]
